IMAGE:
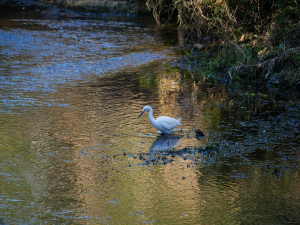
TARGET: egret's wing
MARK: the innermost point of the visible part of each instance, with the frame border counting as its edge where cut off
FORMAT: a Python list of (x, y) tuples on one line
[(168, 123), (167, 126)]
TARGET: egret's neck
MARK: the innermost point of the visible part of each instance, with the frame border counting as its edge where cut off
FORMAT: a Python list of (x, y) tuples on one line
[(152, 120)]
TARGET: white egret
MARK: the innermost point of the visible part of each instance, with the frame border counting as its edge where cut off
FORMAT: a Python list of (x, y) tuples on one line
[(164, 123)]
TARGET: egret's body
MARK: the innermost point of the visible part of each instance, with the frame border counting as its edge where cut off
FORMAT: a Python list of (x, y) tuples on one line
[(164, 123)]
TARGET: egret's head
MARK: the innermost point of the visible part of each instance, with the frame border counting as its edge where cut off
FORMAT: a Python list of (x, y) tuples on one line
[(147, 107)]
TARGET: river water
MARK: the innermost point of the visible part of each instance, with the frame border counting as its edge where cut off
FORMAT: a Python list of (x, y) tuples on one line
[(73, 150)]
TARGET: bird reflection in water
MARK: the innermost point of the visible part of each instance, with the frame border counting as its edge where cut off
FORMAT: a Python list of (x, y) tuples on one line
[(162, 143)]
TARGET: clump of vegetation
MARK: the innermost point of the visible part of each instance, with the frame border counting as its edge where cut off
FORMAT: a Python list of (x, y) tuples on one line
[(227, 20), (243, 62), (254, 39)]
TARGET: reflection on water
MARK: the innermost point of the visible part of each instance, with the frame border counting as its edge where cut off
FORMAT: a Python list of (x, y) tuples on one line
[(164, 141), (38, 55), (73, 151)]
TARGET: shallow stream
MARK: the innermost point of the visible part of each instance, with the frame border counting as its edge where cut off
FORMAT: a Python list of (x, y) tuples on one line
[(73, 150)]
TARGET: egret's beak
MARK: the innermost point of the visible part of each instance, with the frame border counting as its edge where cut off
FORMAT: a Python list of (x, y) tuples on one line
[(142, 113)]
